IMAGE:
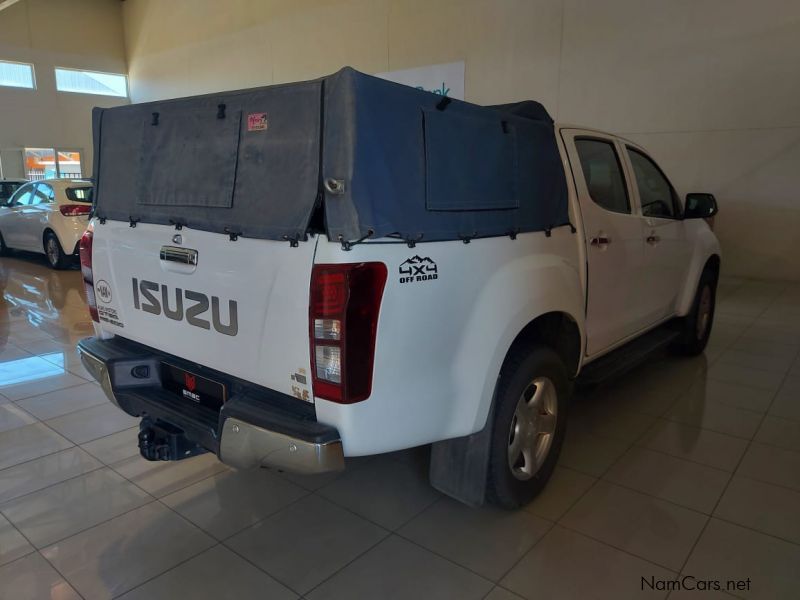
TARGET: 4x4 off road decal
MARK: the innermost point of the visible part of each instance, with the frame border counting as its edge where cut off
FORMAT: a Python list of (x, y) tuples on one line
[(418, 268), (172, 304)]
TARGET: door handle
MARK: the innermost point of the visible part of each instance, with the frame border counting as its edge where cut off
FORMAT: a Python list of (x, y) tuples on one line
[(600, 241), (653, 239), (179, 255)]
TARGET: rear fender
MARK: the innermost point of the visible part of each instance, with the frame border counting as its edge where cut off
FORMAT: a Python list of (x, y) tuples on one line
[(517, 295)]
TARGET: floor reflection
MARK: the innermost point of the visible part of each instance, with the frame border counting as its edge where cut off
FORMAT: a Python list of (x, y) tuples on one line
[(43, 315), (31, 368)]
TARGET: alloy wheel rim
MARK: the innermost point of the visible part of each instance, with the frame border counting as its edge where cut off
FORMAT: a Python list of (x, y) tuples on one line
[(533, 428), (704, 312), (52, 251)]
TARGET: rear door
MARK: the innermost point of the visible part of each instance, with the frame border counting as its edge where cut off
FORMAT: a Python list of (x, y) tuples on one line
[(666, 252), (33, 217), (12, 217), (238, 306), (613, 239), (200, 242)]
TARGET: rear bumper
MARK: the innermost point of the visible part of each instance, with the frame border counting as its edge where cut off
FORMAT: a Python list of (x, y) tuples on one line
[(255, 427)]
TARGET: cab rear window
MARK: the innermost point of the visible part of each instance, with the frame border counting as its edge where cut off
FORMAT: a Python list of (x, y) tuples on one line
[(79, 194)]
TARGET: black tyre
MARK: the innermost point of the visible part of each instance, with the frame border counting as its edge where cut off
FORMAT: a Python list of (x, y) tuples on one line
[(696, 326), (4, 251), (56, 257), (530, 418)]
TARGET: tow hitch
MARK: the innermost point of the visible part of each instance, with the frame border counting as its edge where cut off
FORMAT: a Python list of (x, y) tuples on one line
[(161, 441)]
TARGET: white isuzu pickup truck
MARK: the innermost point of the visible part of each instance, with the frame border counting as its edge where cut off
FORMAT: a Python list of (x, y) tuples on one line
[(292, 275)]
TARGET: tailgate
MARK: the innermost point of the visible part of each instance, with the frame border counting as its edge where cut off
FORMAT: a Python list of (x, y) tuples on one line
[(241, 309)]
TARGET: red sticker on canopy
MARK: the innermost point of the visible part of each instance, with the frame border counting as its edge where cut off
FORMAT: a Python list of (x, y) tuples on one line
[(256, 121)]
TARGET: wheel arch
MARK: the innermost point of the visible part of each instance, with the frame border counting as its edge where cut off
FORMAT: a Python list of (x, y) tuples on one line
[(47, 230), (706, 254), (559, 331), (64, 247), (713, 263), (459, 467)]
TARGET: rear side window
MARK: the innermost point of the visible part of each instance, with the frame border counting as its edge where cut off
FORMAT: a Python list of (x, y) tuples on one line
[(79, 194), (602, 173), (44, 194), (655, 192)]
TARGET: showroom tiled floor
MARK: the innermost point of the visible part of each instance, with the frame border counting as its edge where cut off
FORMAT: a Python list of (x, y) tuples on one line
[(682, 467)]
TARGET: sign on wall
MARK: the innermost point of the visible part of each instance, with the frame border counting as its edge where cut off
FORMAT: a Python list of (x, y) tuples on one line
[(445, 79)]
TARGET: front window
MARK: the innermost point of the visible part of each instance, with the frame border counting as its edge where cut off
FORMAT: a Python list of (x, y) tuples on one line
[(656, 195), (22, 197)]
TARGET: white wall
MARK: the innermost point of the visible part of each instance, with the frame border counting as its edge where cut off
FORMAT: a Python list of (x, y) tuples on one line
[(85, 34), (711, 87)]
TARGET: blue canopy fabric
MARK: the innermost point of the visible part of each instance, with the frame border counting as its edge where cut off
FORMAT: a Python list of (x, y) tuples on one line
[(382, 158)]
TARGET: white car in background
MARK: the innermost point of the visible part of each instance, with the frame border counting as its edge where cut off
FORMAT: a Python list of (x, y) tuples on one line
[(48, 217)]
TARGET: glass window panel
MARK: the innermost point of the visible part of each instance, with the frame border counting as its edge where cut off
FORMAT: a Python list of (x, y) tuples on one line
[(40, 163), (603, 175), (91, 82), (656, 195), (13, 74)]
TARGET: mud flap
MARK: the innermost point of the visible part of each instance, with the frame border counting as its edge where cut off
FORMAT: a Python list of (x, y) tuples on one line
[(460, 466)]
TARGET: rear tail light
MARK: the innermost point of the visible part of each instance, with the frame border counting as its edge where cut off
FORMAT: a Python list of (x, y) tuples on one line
[(343, 315), (75, 210), (86, 270)]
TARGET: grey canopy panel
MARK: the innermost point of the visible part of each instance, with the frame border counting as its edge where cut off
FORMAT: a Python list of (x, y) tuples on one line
[(399, 161), (239, 162)]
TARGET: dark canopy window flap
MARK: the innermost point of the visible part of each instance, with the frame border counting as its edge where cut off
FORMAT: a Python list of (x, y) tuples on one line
[(189, 159), (470, 162)]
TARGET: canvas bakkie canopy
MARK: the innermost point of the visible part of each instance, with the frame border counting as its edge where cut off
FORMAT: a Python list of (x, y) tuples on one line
[(383, 159)]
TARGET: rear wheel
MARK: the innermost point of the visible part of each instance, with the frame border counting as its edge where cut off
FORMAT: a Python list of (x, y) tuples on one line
[(529, 424), (696, 326), (3, 247), (54, 252)]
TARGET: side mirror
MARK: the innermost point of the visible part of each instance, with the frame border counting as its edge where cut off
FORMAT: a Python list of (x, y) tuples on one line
[(700, 206)]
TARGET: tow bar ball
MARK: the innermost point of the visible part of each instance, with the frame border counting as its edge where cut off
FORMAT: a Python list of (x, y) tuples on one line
[(162, 441)]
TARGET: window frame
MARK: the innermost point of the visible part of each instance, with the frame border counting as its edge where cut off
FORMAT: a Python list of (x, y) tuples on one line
[(56, 69), (677, 206), (622, 171), (33, 87)]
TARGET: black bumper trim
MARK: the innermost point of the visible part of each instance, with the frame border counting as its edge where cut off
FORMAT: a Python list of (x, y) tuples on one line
[(256, 405)]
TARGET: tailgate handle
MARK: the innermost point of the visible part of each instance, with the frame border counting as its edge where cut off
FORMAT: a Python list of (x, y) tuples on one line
[(186, 256)]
